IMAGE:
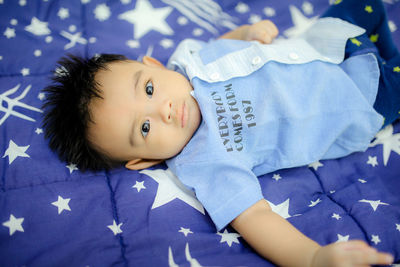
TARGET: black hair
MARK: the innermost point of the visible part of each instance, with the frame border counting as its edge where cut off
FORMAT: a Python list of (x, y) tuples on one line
[(67, 114)]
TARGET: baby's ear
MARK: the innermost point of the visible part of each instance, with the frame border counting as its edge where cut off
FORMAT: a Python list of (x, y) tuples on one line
[(140, 164), (150, 61)]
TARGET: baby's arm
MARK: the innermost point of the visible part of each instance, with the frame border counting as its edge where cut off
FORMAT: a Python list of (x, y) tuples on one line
[(264, 31), (277, 240)]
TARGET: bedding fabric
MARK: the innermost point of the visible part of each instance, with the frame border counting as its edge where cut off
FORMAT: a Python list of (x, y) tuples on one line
[(51, 214)]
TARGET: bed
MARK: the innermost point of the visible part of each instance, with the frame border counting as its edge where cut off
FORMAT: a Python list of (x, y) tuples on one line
[(51, 214)]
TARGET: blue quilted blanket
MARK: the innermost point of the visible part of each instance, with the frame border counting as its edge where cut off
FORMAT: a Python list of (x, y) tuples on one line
[(51, 214)]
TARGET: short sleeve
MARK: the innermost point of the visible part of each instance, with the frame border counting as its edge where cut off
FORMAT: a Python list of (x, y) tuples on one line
[(225, 188)]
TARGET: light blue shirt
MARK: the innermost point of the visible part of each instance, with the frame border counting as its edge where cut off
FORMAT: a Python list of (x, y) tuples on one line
[(268, 107)]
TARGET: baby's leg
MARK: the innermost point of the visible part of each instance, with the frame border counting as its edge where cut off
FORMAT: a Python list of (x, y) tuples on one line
[(371, 15), (387, 101)]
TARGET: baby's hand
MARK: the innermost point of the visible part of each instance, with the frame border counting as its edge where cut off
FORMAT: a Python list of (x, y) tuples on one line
[(264, 32), (352, 253)]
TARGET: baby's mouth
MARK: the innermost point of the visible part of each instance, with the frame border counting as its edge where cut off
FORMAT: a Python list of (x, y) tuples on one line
[(184, 115)]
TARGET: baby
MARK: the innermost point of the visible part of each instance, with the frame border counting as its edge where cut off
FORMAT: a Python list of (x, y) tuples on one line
[(226, 111)]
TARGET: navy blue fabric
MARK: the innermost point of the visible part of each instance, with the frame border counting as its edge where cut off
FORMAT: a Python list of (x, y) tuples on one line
[(371, 16)]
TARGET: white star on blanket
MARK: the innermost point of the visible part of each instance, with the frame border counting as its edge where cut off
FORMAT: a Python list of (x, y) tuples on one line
[(146, 18), (14, 224), (14, 151), (170, 188), (229, 238), (38, 27), (389, 141)]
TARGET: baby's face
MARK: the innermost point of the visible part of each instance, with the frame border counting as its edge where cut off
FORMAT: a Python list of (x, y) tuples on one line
[(146, 112)]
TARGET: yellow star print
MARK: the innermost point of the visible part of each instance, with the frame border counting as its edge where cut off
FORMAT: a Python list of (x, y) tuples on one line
[(374, 38), (337, 2), (355, 41), (396, 69), (368, 9)]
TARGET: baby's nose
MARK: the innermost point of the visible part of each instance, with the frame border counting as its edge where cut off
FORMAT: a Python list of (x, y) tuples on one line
[(165, 111)]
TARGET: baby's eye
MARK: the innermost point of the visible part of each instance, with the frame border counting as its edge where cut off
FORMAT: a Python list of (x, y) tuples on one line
[(145, 128), (149, 89)]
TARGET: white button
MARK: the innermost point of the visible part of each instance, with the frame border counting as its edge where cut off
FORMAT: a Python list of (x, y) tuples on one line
[(214, 76), (293, 56), (256, 60)]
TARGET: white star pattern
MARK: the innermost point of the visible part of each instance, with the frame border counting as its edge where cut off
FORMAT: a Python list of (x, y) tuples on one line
[(300, 22), (38, 131), (14, 224), (8, 109), (282, 209), (171, 262), (197, 32), (372, 161), (269, 11), (37, 53), (9, 33), (116, 229), (362, 181), (315, 165), (13, 22), (146, 18), (336, 216), (166, 43), (185, 231), (389, 141), (139, 186), (398, 227), (170, 188), (375, 239), (102, 12), (276, 176), (133, 43), (315, 203), (38, 27), (48, 39), (13, 151), (342, 238), (392, 26), (63, 13), (308, 8), (71, 167), (73, 39), (25, 71), (229, 238), (242, 8), (182, 20), (254, 18), (62, 204), (72, 28), (374, 203), (41, 96), (192, 261)]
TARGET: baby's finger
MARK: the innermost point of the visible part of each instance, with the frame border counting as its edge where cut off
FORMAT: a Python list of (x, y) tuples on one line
[(262, 36), (381, 259), (371, 257), (269, 26)]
